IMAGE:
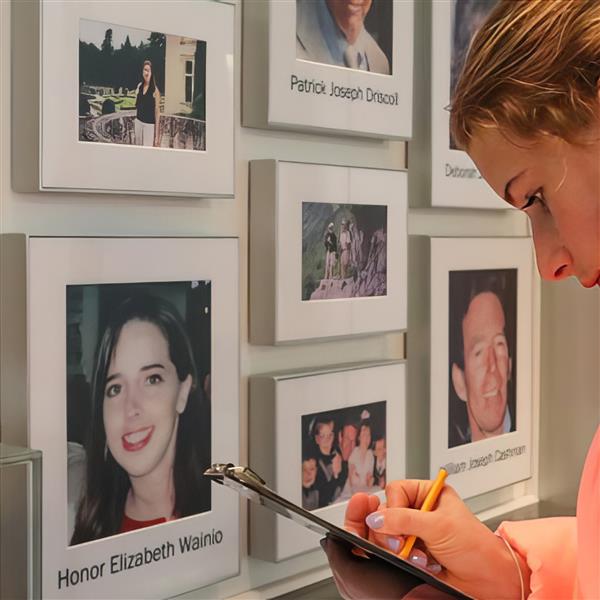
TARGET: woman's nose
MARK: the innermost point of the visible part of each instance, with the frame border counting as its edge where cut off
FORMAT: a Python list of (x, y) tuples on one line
[(132, 404), (554, 261)]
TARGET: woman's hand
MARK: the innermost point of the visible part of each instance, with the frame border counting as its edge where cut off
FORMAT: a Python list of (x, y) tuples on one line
[(358, 578), (474, 559)]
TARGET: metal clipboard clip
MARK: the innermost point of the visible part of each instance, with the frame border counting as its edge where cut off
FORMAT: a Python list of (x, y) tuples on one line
[(242, 479)]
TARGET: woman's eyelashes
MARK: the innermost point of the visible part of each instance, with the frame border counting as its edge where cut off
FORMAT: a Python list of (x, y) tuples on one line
[(154, 379), (114, 389), (532, 199)]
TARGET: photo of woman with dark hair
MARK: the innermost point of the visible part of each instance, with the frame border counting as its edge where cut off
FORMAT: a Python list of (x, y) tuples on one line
[(147, 106), (144, 447), (362, 460)]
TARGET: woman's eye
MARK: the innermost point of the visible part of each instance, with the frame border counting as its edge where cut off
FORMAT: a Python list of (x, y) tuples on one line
[(113, 390), (531, 200), (154, 379)]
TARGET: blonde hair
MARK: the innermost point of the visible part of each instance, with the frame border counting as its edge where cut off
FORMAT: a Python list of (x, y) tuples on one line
[(533, 69)]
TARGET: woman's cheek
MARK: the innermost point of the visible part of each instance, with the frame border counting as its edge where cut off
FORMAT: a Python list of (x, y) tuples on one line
[(110, 421)]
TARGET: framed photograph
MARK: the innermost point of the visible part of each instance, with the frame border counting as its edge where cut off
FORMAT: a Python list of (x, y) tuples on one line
[(481, 361), (455, 180), (136, 101), (331, 433), (327, 251), (329, 65), (133, 392)]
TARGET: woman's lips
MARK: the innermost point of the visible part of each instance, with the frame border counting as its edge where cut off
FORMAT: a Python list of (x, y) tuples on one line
[(138, 439)]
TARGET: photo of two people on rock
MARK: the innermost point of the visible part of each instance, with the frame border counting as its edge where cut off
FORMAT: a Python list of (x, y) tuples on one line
[(344, 250)]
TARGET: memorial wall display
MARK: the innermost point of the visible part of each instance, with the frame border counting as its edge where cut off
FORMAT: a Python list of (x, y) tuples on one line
[(481, 361), (133, 392), (455, 180), (130, 100), (328, 251), (319, 436), (338, 67)]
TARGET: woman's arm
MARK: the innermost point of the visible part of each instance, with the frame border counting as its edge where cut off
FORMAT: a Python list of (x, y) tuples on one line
[(547, 550), (156, 117)]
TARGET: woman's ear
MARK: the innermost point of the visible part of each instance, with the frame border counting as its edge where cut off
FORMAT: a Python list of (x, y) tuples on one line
[(184, 392), (458, 381)]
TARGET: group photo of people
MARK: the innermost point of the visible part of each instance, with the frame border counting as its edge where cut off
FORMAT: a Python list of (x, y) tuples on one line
[(482, 355), (346, 33), (344, 250), (343, 452), (141, 88), (138, 405)]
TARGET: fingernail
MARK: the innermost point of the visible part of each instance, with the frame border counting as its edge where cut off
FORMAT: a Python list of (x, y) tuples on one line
[(375, 520), (418, 558), (434, 568), (394, 544)]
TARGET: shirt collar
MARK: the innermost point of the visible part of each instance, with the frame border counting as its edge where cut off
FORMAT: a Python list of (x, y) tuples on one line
[(335, 39)]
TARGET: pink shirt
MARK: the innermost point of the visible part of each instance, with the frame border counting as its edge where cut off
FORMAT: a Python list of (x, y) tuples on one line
[(563, 553)]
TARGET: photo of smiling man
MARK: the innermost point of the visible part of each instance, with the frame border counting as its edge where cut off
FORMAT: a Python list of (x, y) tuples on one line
[(482, 353), (356, 34), (138, 405)]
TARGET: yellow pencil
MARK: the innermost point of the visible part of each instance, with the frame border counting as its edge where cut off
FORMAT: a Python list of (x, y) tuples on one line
[(430, 500)]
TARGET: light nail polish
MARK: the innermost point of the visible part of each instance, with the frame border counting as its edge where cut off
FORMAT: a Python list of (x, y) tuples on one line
[(393, 544), (434, 568), (375, 520), (418, 558)]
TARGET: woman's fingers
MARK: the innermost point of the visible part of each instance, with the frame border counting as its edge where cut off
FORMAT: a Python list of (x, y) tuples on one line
[(404, 521), (409, 493), (360, 578), (359, 506)]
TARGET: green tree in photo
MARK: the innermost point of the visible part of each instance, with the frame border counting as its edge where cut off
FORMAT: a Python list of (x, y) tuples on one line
[(199, 101)]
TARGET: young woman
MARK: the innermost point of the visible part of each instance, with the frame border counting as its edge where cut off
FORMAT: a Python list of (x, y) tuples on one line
[(361, 461), (145, 456), (527, 110), (147, 105)]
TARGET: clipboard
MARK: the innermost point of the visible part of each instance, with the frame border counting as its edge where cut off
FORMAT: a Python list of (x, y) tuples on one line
[(247, 483)]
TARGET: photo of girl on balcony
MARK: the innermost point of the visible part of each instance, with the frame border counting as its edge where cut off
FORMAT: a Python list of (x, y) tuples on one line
[(140, 87)]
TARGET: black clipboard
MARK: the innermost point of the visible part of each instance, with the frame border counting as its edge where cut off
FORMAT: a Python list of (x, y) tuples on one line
[(247, 483)]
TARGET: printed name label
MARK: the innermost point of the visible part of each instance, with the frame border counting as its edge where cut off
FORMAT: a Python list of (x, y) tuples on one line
[(477, 462), (118, 563), (318, 87), (461, 172)]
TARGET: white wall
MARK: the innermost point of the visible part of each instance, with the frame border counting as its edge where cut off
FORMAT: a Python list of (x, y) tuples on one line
[(77, 214)]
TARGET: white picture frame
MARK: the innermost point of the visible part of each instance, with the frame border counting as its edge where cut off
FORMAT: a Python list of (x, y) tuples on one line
[(499, 271), (280, 404), (308, 90), (281, 308), (88, 569), (63, 161), (455, 180)]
